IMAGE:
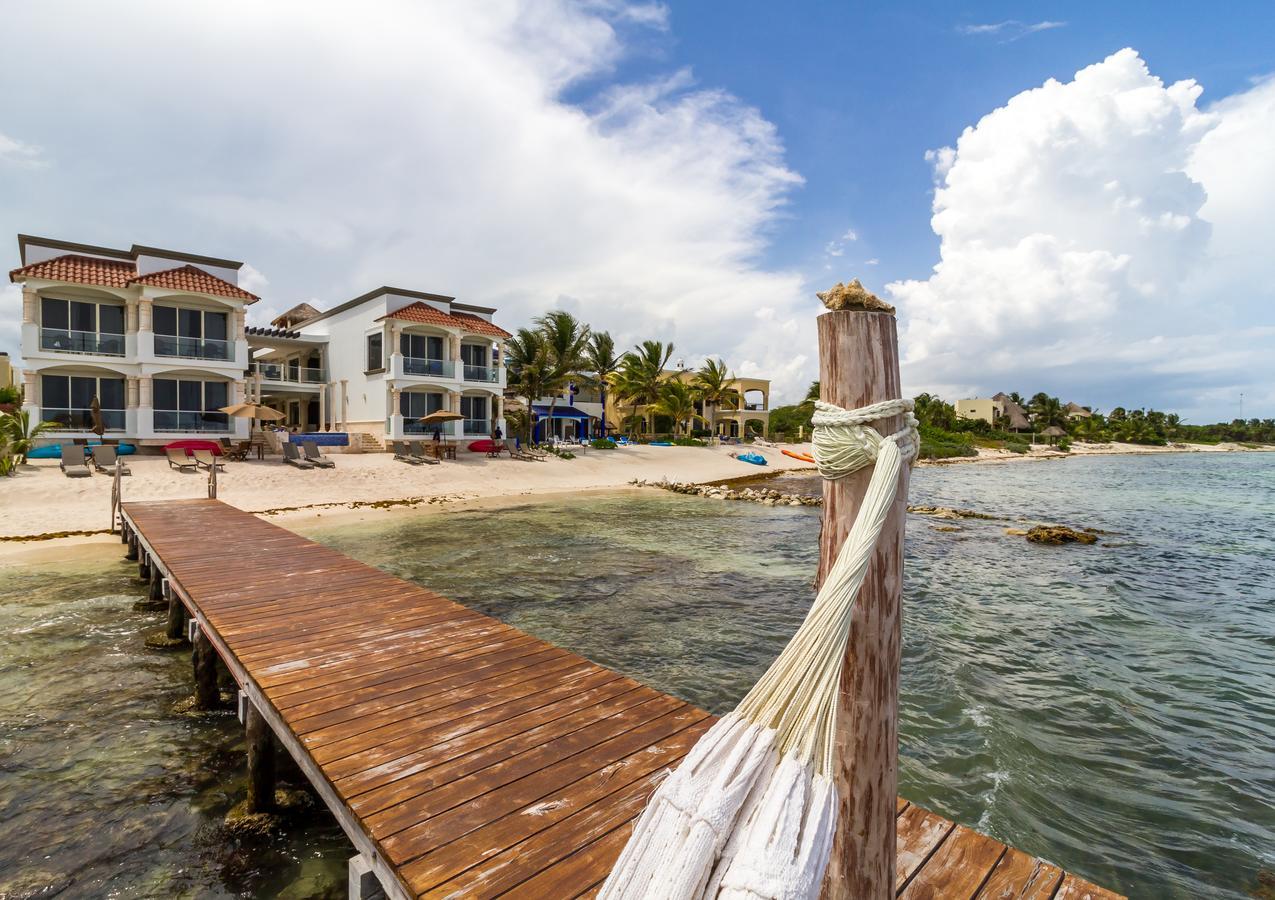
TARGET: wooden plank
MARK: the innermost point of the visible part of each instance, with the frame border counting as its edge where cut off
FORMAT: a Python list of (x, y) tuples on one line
[(958, 868), (1074, 888), (1021, 877), (461, 756)]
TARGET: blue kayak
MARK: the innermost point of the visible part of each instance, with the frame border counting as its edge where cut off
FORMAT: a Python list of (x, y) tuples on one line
[(661, 444), (755, 458)]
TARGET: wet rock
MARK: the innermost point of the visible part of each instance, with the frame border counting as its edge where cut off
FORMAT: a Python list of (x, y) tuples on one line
[(1016, 532), (950, 512), (947, 528), (1059, 534), (150, 606), (161, 641)]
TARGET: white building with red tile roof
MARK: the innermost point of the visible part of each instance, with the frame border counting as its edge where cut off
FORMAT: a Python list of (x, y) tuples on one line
[(156, 336)]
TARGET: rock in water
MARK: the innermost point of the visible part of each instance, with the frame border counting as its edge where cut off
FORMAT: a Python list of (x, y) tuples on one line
[(1059, 534)]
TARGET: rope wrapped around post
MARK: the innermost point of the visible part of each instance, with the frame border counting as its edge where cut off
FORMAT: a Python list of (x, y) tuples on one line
[(751, 811)]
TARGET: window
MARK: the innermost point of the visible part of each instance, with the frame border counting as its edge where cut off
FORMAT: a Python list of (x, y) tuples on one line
[(81, 326), (183, 404), (375, 355), (421, 346), (415, 404), (473, 407), (68, 400), (192, 333)]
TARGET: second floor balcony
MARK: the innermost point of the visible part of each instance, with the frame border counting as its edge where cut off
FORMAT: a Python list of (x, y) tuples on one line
[(193, 347), (437, 368), (487, 374), (290, 374), (69, 341)]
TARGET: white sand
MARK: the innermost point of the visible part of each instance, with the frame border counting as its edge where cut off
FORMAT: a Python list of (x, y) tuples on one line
[(41, 500)]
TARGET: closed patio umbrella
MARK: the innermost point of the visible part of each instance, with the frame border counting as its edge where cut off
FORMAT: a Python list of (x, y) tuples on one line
[(95, 410)]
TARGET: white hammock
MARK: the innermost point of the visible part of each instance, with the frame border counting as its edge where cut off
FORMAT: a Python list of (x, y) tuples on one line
[(751, 811)]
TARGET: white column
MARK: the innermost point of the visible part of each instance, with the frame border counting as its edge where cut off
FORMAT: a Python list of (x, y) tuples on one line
[(145, 330), (345, 405), (145, 408), (31, 394), (396, 356), (458, 367), (498, 413), (131, 398), (30, 312), (396, 415), (323, 407), (29, 300), (453, 404)]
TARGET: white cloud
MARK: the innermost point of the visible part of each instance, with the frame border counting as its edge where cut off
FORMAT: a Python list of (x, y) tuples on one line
[(1011, 29), (871, 262), (850, 235), (1101, 239), (431, 146), (17, 153)]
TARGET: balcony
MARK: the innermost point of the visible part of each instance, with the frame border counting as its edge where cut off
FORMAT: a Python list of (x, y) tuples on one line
[(283, 373), (192, 347), (173, 421), (477, 426), (488, 374), (755, 407), (437, 368), (82, 419), (413, 426), (63, 340)]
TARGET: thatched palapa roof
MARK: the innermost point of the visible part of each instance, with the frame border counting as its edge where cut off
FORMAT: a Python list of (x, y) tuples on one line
[(302, 312)]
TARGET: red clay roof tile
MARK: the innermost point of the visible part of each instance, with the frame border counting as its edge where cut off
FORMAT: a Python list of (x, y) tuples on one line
[(190, 278), (428, 315), (79, 270)]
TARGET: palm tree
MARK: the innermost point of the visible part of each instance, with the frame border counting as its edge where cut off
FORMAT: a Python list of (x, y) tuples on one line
[(22, 433), (1047, 410), (641, 375), (530, 366), (812, 393), (677, 401), (713, 384), (601, 362), (566, 338)]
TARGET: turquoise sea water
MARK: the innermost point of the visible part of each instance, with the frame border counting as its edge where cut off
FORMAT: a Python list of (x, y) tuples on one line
[(1109, 708)]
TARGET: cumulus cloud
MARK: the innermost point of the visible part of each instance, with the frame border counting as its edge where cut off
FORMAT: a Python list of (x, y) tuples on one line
[(461, 148), (1098, 240), (17, 153)]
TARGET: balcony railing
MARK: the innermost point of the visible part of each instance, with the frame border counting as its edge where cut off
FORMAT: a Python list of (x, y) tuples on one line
[(82, 419), (411, 426), (290, 374), (172, 420), (416, 365), (477, 426), (192, 347), (67, 341), (755, 407), (488, 374)]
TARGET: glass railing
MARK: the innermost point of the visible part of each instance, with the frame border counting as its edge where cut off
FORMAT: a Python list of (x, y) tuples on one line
[(172, 420), (480, 373), (754, 407), (411, 426), (82, 419), (290, 374), (66, 341), (192, 348), (415, 365), (477, 426)]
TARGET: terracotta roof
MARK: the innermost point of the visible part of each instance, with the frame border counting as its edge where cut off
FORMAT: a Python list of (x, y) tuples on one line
[(190, 278), (79, 270), (428, 315)]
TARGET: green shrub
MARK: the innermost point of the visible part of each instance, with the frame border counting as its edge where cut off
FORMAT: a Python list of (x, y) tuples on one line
[(688, 442), (936, 443), (1064, 444), (9, 395), (1017, 446), (602, 444)]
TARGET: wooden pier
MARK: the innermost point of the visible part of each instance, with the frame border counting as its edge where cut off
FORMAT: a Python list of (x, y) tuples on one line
[(463, 757)]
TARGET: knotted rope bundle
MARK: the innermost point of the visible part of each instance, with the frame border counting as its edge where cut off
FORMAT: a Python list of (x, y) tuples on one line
[(751, 812)]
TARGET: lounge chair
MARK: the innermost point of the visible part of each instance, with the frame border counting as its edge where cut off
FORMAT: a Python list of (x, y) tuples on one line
[(206, 459), (73, 465), (177, 459), (515, 452), (293, 458), (313, 456), (105, 460), (535, 452), (416, 451), (402, 455)]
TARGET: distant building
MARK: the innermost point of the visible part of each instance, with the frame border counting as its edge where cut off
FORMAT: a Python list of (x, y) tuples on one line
[(1076, 411), (1014, 416), (748, 413), (987, 409), (8, 374)]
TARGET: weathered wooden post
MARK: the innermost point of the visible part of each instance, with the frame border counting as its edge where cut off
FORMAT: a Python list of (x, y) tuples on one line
[(207, 694), (175, 630), (859, 365), (143, 565), (261, 775), (132, 552)]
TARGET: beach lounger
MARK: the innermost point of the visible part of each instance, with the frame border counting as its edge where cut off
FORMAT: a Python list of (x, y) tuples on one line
[(313, 456), (515, 452), (401, 454), (416, 450), (177, 459), (73, 465), (536, 453), (105, 460), (293, 458), (207, 460)]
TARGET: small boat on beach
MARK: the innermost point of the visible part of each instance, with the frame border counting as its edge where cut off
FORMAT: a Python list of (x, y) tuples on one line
[(755, 458), (804, 457)]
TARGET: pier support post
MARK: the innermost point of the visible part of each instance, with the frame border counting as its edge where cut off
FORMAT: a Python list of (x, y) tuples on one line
[(176, 627), (261, 780), (132, 552), (363, 882), (156, 593), (143, 565), (207, 694), (858, 365)]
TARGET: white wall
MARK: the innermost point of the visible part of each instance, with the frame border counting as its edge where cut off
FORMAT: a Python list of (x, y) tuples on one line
[(347, 358)]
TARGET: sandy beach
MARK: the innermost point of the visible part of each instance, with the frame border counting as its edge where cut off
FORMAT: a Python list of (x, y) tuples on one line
[(41, 501)]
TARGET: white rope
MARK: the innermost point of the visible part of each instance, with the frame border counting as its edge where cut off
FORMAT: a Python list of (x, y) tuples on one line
[(750, 813)]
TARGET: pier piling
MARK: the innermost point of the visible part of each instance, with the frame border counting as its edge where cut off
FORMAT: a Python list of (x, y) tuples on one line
[(859, 365), (207, 694), (176, 628), (261, 768)]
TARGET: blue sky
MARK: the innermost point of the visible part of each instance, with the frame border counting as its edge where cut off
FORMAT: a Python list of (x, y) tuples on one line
[(694, 172)]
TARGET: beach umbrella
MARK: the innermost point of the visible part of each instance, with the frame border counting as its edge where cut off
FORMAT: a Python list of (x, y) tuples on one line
[(252, 411), (95, 410), (751, 812), (441, 415)]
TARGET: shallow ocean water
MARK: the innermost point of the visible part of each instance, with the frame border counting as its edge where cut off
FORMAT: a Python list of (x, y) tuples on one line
[(1109, 708)]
